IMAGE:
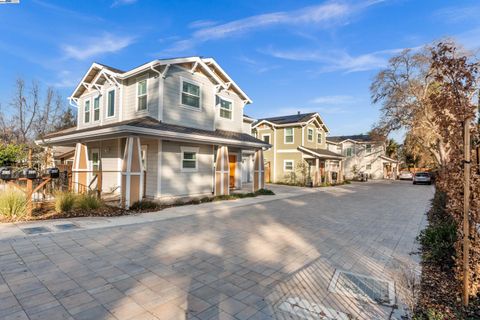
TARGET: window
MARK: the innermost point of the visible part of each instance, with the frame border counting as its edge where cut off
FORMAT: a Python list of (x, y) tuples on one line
[(319, 137), (266, 138), (95, 160), (349, 152), (189, 159), (368, 166), (87, 111), (144, 156), (310, 134), (111, 104), (142, 95), (288, 135), (225, 108), (96, 108), (190, 95), (287, 165), (368, 148)]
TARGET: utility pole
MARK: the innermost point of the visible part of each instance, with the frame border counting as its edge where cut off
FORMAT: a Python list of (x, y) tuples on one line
[(466, 209)]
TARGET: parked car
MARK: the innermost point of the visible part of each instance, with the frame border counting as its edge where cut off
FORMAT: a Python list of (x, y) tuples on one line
[(405, 175), (422, 177)]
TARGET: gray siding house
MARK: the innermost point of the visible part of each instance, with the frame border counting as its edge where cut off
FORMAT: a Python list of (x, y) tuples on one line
[(169, 128)]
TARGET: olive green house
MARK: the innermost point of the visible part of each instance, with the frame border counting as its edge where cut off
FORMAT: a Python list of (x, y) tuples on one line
[(299, 152)]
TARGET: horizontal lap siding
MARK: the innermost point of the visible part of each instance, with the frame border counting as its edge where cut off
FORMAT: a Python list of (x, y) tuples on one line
[(109, 161), (177, 183), (130, 97), (152, 165), (174, 113)]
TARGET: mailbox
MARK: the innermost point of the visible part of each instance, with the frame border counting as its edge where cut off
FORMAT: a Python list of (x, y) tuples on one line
[(31, 174), (54, 173), (6, 174)]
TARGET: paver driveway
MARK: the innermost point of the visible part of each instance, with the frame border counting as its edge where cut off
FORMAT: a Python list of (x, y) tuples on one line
[(270, 260)]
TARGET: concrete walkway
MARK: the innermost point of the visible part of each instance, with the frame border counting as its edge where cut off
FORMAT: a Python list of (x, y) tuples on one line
[(327, 253)]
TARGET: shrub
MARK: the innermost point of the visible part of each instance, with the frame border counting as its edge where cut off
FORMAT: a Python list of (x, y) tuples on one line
[(144, 205), (262, 192), (13, 204), (64, 201), (438, 242), (87, 201)]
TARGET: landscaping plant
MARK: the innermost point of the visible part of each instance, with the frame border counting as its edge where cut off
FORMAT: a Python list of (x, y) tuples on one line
[(64, 201), (87, 202), (13, 204)]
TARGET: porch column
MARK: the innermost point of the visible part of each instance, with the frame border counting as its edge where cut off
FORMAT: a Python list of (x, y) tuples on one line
[(340, 171), (222, 172), (132, 177), (317, 177), (80, 168), (258, 171)]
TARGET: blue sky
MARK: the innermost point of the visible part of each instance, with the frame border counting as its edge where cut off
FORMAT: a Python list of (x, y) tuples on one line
[(288, 56)]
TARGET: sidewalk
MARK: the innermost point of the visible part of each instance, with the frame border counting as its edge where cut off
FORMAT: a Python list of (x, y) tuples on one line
[(10, 231)]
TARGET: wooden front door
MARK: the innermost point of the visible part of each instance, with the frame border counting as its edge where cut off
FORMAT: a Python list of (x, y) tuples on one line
[(232, 161)]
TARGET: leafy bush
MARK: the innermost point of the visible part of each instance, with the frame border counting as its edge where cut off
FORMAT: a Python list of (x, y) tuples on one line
[(87, 202), (64, 201), (144, 205), (262, 192), (13, 204)]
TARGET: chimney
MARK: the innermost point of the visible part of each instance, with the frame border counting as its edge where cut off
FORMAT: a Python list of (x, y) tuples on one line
[(298, 112)]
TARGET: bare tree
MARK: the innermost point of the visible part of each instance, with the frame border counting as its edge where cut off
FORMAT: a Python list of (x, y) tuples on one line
[(403, 90)]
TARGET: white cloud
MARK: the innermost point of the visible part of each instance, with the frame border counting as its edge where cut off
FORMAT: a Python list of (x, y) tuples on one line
[(458, 14), (328, 14), (95, 46), (201, 24), (334, 100), (337, 60), (118, 3)]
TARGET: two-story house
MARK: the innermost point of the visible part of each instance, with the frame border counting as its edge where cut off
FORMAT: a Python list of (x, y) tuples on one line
[(299, 149), (168, 128), (363, 154)]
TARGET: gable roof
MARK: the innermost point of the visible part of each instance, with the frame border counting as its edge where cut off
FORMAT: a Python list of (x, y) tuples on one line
[(356, 138), (299, 118), (209, 65)]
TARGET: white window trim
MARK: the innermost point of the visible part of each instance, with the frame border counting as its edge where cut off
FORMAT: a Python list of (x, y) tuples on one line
[(114, 104), (189, 149), (220, 107), (285, 163), (92, 151), (182, 80), (313, 134), (285, 136), (89, 100), (136, 93), (351, 152), (99, 108), (366, 149), (269, 135)]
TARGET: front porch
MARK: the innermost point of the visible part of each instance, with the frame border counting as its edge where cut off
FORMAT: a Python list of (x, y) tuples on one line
[(133, 166), (324, 166)]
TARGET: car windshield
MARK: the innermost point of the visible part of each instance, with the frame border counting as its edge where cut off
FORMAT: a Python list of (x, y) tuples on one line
[(422, 174)]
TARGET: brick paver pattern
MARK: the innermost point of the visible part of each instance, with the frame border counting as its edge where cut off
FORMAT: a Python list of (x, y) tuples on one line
[(242, 263)]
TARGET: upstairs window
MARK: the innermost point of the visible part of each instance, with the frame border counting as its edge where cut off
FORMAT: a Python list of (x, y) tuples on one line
[(319, 137), (368, 148), (142, 95), (96, 109), (266, 138), (310, 134), (349, 152), (87, 111), (190, 95), (111, 103), (226, 109), (368, 166), (288, 135)]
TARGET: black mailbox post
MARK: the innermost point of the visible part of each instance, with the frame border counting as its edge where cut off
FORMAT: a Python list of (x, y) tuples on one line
[(54, 173), (31, 174), (6, 174)]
